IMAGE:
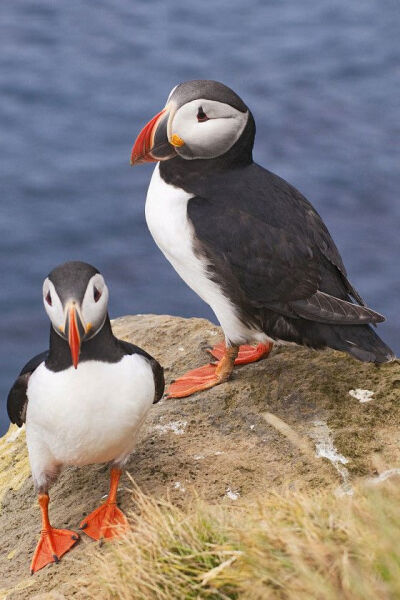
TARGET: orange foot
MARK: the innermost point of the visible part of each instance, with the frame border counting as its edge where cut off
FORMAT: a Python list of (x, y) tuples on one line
[(53, 543), (193, 381), (246, 355), (106, 522), (208, 376), (204, 377)]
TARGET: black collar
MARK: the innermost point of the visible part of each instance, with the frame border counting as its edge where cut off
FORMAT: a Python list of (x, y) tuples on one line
[(104, 346)]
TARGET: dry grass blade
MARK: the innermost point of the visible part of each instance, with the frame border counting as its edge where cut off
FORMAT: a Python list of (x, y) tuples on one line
[(286, 547), (205, 579)]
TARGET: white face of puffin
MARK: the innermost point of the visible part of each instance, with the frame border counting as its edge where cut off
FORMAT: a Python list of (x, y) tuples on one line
[(202, 119), (205, 128), (92, 312)]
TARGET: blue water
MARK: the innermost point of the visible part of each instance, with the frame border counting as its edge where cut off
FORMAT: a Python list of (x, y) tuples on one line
[(79, 79)]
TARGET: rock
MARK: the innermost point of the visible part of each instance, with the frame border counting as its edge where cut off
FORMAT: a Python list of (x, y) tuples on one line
[(287, 422)]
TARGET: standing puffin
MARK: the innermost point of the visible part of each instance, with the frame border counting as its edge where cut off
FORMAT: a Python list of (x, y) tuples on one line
[(83, 400), (246, 241)]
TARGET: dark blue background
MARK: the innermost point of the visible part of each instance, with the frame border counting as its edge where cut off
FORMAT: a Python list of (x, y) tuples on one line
[(79, 79)]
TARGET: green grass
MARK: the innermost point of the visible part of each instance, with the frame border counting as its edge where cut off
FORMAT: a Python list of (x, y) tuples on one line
[(289, 547)]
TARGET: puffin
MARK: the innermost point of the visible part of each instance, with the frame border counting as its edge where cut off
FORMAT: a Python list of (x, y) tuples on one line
[(244, 239), (83, 401)]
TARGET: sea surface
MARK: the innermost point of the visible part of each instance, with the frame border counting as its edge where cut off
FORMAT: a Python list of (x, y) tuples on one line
[(79, 79)]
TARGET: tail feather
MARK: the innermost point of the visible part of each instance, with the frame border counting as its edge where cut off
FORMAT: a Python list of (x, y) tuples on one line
[(360, 341)]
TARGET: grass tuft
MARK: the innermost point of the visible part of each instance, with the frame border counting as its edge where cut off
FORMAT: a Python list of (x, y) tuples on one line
[(289, 547)]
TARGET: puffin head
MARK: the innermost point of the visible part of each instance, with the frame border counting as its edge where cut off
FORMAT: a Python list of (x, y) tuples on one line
[(201, 120), (75, 297)]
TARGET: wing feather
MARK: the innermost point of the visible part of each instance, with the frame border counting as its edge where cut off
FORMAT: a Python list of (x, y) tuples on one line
[(266, 240), (17, 400), (328, 309)]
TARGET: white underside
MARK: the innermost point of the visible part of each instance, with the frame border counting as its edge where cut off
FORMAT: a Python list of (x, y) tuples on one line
[(86, 415), (166, 216)]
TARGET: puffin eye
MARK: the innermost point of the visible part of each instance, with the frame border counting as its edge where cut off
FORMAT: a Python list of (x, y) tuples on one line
[(201, 115), (96, 294), (48, 299)]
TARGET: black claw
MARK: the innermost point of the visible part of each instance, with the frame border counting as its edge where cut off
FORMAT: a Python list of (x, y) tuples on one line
[(83, 526), (101, 542), (56, 559), (75, 537), (32, 571)]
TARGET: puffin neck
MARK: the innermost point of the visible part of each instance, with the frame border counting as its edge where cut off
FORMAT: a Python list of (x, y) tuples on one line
[(102, 347), (186, 174)]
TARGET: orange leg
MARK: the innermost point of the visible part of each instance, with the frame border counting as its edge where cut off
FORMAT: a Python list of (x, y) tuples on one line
[(108, 520), (204, 377), (53, 543), (246, 355)]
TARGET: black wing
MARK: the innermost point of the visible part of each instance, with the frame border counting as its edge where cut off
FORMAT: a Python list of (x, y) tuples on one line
[(273, 247), (17, 399), (158, 371)]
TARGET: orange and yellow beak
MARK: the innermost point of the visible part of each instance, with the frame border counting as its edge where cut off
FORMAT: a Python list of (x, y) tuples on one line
[(74, 336), (141, 151), (152, 143)]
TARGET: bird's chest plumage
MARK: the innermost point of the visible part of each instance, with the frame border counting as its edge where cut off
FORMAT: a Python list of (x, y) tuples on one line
[(90, 414), (166, 216)]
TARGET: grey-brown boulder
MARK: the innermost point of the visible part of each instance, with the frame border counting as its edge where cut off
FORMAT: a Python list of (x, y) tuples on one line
[(299, 419)]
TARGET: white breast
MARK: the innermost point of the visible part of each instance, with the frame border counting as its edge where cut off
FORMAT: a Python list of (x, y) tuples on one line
[(166, 216), (88, 415)]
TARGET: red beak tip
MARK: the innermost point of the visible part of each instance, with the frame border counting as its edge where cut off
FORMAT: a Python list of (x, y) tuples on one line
[(141, 151)]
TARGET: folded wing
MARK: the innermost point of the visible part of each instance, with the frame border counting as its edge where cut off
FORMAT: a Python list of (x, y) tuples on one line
[(264, 240), (17, 400)]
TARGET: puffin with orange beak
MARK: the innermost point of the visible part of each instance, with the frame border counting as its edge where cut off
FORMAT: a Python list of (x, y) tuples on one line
[(246, 241), (83, 400)]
